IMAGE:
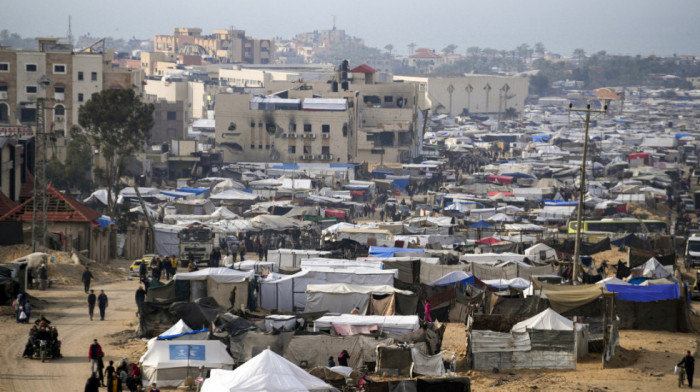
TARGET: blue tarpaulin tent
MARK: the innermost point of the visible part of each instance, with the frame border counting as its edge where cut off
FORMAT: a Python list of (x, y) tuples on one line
[(480, 225), (196, 191), (382, 251), (644, 293)]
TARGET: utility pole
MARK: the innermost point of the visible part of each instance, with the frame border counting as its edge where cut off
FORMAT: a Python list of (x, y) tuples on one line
[(41, 199), (582, 183)]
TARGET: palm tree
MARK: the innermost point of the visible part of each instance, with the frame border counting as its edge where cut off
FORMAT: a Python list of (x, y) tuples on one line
[(389, 48), (411, 46), (579, 53), (473, 51)]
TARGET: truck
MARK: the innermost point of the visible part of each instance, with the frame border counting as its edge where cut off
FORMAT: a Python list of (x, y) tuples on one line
[(198, 242), (696, 199), (692, 251)]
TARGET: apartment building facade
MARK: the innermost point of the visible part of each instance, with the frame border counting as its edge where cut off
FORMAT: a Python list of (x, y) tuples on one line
[(231, 46), (357, 120), (63, 79)]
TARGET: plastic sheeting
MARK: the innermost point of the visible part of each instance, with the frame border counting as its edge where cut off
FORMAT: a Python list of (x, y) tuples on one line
[(218, 275), (167, 361), (430, 365), (380, 251), (546, 320), (644, 293), (266, 372), (453, 278), (389, 324)]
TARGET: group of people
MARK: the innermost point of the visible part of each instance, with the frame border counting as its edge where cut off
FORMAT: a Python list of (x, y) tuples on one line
[(42, 330), (124, 375), (165, 267), (100, 300)]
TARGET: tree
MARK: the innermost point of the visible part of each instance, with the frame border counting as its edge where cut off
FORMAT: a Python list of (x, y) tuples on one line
[(73, 174), (411, 47), (579, 54), (539, 85), (117, 124), (389, 48), (510, 114), (473, 51), (523, 51), (449, 49), (539, 48)]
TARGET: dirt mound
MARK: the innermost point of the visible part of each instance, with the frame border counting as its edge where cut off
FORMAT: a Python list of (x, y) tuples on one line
[(642, 211), (12, 252), (622, 358)]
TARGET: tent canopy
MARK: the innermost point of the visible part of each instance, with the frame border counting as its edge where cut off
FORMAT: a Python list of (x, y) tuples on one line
[(267, 371), (452, 278), (219, 275), (548, 320), (344, 288)]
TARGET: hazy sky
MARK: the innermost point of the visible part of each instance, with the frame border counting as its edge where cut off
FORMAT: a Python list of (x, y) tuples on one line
[(661, 27)]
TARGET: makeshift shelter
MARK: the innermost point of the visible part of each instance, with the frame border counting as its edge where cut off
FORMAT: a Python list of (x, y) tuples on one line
[(541, 253), (218, 284), (267, 372), (169, 362), (342, 298), (544, 341), (166, 240), (289, 293)]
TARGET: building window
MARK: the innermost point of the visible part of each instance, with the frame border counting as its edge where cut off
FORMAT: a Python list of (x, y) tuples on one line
[(93, 76), (232, 127), (292, 149), (292, 127), (4, 113), (326, 150), (59, 68), (325, 128), (307, 127), (80, 75), (345, 130), (388, 99), (259, 146), (59, 110), (59, 89), (80, 97), (267, 146), (30, 67), (271, 128), (252, 146), (171, 116), (307, 149), (4, 67), (27, 115), (252, 124), (31, 89)]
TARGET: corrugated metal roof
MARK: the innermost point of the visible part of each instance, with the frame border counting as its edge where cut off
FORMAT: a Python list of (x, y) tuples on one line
[(61, 208)]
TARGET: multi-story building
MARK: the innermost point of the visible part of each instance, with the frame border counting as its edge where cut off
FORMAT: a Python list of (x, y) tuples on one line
[(478, 94), (63, 79), (231, 46), (348, 119)]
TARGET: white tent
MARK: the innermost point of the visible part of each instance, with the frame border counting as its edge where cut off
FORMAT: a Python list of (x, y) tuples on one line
[(166, 240), (218, 275), (450, 279), (653, 269), (289, 293), (342, 297), (169, 362), (266, 372), (218, 284), (541, 253), (612, 280), (232, 195), (548, 320)]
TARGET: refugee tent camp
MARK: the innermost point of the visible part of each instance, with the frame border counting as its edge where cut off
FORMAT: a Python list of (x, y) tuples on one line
[(217, 283), (169, 362)]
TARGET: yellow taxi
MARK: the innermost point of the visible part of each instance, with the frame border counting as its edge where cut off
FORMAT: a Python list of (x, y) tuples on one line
[(136, 265)]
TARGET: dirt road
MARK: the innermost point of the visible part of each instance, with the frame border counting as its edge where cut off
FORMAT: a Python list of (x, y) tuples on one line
[(67, 310)]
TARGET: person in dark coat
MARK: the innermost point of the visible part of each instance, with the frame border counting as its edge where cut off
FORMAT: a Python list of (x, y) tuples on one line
[(343, 358), (102, 304), (92, 384), (689, 363), (143, 271), (140, 299), (92, 300), (87, 277)]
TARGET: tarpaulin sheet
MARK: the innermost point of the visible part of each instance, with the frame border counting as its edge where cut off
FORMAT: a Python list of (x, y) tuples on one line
[(431, 272), (644, 293), (381, 251), (315, 349), (565, 298)]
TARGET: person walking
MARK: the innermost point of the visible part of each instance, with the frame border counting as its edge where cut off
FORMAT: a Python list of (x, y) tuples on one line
[(343, 358), (43, 277), (100, 371), (140, 300), (87, 277), (102, 304), (92, 300), (173, 265), (689, 363), (155, 268), (94, 353), (109, 372), (427, 316), (92, 384), (228, 260), (27, 311), (143, 271)]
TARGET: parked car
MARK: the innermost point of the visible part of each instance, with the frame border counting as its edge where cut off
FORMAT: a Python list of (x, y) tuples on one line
[(136, 265)]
